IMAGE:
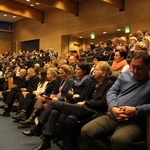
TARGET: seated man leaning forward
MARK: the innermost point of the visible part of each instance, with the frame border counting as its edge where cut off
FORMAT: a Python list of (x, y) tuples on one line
[(129, 103)]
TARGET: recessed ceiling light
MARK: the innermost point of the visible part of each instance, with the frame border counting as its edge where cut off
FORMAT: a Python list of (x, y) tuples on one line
[(31, 5), (28, 0), (104, 32), (37, 3), (5, 15), (80, 37), (14, 16)]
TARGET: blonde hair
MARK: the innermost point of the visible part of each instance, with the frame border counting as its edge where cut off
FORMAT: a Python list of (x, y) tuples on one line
[(68, 69), (148, 40), (140, 46), (105, 67), (123, 38), (53, 71), (133, 38)]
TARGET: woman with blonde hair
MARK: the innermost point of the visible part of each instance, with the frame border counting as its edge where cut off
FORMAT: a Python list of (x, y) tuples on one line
[(146, 40)]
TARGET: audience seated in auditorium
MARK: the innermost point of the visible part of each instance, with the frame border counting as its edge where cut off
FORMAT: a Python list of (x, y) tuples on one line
[(125, 123), (30, 97), (42, 101), (21, 84), (17, 94), (79, 92), (68, 123)]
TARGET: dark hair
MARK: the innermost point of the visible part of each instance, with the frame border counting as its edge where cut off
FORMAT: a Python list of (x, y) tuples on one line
[(99, 56), (43, 73), (85, 67), (143, 55), (123, 53), (109, 47)]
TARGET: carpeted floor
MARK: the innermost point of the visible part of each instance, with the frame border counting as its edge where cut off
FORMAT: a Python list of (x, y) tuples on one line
[(12, 138)]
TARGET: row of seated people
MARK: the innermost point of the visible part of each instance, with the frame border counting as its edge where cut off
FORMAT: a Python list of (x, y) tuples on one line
[(81, 99), (119, 64), (12, 70)]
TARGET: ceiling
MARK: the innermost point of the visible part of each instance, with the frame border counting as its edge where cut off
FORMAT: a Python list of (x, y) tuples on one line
[(41, 6), (44, 7)]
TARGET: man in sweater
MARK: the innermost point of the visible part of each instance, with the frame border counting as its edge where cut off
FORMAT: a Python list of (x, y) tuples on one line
[(129, 103)]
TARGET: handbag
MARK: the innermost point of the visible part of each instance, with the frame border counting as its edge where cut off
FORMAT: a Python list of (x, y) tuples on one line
[(80, 113)]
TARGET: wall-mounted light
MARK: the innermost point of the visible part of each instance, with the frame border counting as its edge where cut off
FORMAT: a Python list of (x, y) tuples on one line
[(92, 36), (127, 29)]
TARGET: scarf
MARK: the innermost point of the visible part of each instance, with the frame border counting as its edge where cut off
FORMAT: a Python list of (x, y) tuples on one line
[(117, 66), (78, 81)]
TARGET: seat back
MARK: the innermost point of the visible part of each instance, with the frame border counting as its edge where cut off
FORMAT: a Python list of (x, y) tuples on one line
[(10, 83)]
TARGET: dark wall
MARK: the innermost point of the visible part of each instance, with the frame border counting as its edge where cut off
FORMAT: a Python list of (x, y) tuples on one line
[(30, 45), (5, 25)]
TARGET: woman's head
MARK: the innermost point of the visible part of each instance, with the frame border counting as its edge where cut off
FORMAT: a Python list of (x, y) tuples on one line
[(141, 46), (102, 70), (146, 40), (51, 74), (120, 55), (42, 74), (132, 40), (82, 69), (65, 71)]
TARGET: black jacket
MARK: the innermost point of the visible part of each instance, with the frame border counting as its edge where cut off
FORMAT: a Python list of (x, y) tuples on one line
[(52, 88), (99, 101), (32, 84)]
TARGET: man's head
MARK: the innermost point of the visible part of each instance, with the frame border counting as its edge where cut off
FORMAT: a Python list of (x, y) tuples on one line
[(72, 60), (23, 73), (140, 64), (36, 66), (30, 72)]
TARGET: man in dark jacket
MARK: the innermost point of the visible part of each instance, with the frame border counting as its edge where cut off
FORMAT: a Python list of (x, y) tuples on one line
[(22, 83), (16, 93)]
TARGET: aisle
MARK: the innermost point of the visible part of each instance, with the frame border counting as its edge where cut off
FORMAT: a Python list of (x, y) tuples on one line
[(12, 138)]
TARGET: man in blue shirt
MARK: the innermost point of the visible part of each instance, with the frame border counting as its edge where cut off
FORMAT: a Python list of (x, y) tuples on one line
[(129, 103)]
